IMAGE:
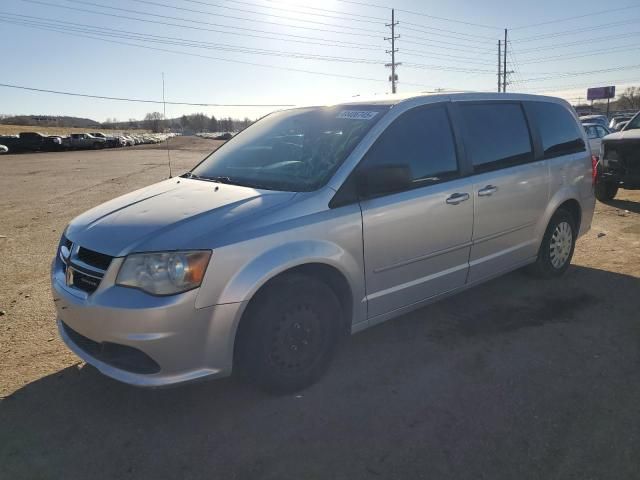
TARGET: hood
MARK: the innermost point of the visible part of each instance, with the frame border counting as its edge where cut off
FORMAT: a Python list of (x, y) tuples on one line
[(179, 213), (624, 135)]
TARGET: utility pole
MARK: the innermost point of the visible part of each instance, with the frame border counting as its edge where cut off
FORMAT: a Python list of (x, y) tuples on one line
[(393, 78), (504, 68), (499, 66), (164, 114)]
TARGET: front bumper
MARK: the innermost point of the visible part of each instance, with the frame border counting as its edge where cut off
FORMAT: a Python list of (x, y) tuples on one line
[(186, 343)]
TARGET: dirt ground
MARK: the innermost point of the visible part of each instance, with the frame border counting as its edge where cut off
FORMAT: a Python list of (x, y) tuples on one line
[(515, 379)]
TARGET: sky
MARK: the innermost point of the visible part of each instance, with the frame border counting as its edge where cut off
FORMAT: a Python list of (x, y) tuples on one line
[(292, 52)]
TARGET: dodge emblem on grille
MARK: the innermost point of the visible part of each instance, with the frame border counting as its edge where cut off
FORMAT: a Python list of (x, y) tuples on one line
[(69, 277)]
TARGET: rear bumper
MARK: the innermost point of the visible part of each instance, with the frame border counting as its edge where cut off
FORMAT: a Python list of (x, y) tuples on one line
[(124, 333)]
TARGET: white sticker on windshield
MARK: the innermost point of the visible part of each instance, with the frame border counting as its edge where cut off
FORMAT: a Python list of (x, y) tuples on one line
[(357, 114)]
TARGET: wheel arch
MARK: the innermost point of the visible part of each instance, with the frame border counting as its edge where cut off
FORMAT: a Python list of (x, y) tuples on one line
[(572, 206), (564, 199), (324, 272)]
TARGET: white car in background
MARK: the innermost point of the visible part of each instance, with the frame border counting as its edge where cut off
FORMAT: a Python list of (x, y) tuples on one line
[(595, 132), (597, 119)]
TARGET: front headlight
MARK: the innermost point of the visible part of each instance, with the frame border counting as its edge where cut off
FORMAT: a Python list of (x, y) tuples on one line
[(164, 273)]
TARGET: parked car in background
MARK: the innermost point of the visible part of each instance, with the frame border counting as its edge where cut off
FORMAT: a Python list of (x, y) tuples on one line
[(621, 125), (595, 133), (84, 141), (129, 141), (32, 142), (224, 136), (318, 222), (614, 124), (620, 163), (111, 141), (599, 119), (4, 149)]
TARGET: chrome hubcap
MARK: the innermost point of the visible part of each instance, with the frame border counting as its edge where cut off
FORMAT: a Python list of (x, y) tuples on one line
[(561, 243)]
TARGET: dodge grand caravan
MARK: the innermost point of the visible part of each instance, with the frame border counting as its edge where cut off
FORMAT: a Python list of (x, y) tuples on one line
[(318, 222)]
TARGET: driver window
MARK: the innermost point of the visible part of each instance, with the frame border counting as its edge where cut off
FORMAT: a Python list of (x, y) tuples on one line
[(421, 139)]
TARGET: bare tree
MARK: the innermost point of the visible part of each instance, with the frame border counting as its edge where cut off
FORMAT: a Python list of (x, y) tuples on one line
[(630, 99), (154, 121)]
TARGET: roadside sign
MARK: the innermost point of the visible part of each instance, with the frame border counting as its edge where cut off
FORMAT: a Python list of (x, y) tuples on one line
[(600, 93)]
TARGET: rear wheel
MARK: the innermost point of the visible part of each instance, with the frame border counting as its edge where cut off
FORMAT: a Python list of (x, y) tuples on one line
[(97, 146), (289, 334), (606, 191), (558, 244)]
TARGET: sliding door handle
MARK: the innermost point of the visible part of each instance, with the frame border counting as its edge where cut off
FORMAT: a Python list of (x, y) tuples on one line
[(487, 191), (457, 198)]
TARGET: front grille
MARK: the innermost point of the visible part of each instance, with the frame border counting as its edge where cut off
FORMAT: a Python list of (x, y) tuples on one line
[(83, 268), (94, 259), (84, 282), (119, 356), (622, 156)]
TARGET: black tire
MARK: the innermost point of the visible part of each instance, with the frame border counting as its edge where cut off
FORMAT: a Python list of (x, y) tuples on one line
[(556, 250), (606, 191), (97, 146), (289, 334)]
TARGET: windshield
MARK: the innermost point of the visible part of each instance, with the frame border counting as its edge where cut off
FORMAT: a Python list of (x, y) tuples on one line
[(294, 150), (634, 123)]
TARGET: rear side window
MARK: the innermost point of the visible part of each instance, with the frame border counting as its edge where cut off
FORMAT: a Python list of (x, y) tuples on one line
[(559, 131), (592, 132), (420, 138), (495, 135)]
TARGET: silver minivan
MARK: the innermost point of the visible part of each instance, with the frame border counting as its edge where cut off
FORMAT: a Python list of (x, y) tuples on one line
[(318, 222)]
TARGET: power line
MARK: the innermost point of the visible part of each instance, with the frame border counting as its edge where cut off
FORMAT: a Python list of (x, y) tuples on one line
[(378, 21), (559, 20), (590, 54), (421, 14), (577, 30), (297, 70), (442, 56), (447, 48), (29, 20), (425, 28), (218, 15), (63, 26), (580, 42), (446, 35), (431, 42), (293, 38), (158, 4), (445, 68), (556, 88), (372, 19), (139, 100), (288, 9), (579, 73), (123, 34)]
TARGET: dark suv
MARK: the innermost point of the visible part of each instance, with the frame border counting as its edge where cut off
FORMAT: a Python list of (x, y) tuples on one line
[(620, 161)]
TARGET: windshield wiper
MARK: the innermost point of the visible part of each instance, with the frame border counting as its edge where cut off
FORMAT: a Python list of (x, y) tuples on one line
[(219, 179), (228, 181)]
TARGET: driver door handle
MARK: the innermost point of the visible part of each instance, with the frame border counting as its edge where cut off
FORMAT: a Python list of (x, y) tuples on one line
[(457, 198), (487, 191)]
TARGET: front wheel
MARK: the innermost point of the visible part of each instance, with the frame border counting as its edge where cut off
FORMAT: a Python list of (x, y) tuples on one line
[(289, 334), (558, 245), (605, 191)]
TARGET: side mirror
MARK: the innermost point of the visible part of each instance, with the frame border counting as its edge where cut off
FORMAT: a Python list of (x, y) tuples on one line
[(383, 179)]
